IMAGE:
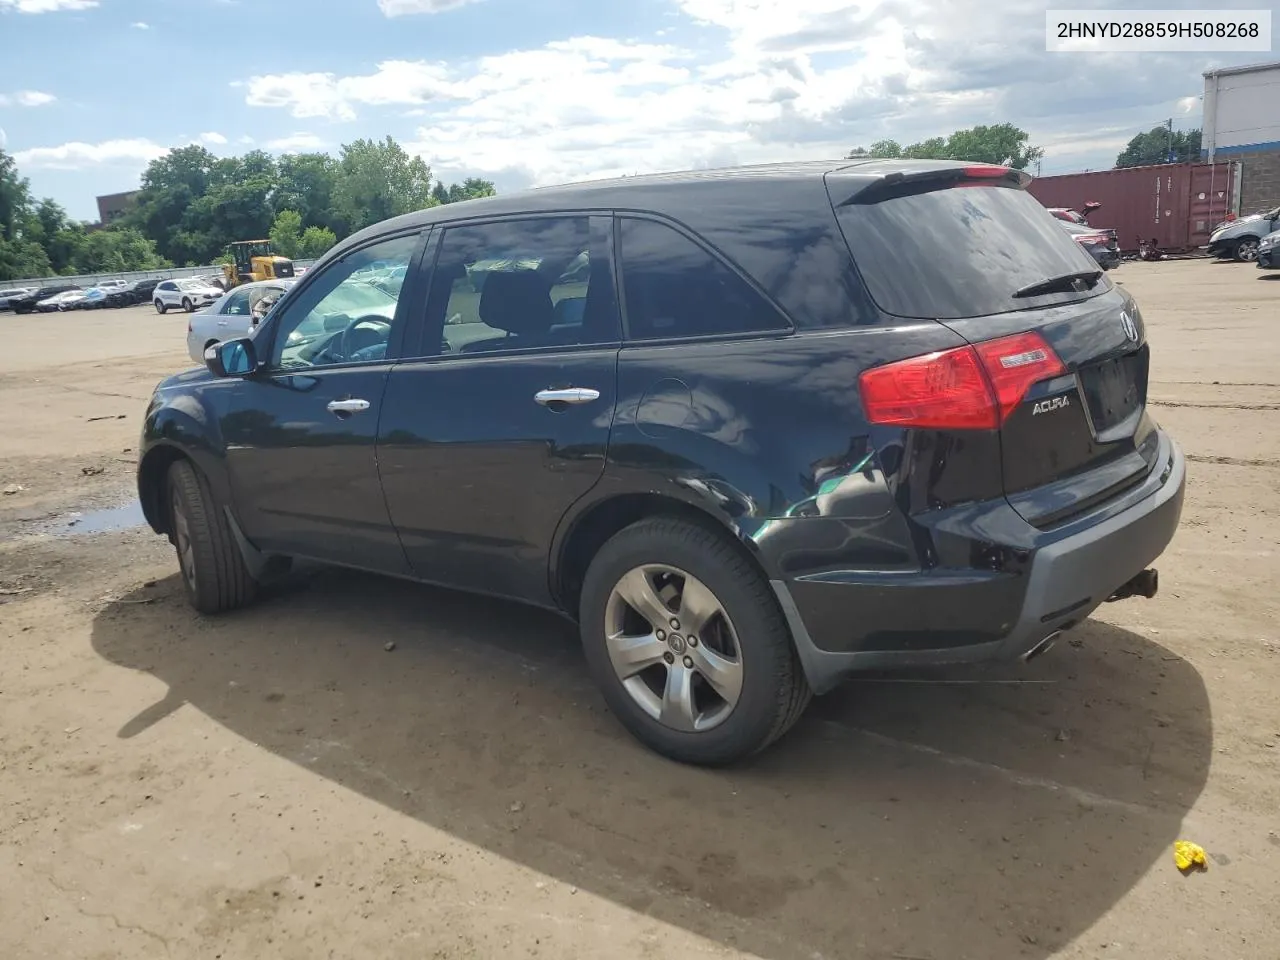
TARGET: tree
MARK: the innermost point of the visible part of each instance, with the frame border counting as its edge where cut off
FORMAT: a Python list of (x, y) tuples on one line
[(378, 180), (881, 149), (470, 189), (23, 260), (117, 248), (314, 242), (15, 196), (1158, 144), (305, 184), (1003, 144), (286, 232)]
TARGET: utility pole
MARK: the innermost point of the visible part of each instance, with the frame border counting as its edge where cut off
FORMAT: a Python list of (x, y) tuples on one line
[(1169, 150)]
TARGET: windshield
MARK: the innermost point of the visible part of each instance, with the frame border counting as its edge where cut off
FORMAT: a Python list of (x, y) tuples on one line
[(961, 252), (192, 285)]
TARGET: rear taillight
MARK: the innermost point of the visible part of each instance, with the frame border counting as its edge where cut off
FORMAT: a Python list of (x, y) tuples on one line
[(969, 388), (1090, 240)]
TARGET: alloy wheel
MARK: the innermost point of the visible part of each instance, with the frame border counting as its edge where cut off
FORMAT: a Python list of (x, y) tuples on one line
[(674, 648), (1248, 250)]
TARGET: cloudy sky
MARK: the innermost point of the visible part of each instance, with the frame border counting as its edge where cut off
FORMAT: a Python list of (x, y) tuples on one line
[(528, 92)]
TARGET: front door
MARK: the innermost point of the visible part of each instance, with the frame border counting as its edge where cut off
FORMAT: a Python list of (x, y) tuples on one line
[(300, 436), (488, 440)]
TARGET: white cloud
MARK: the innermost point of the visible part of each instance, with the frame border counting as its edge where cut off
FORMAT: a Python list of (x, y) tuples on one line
[(760, 80), (406, 8), (27, 98), (246, 139), (46, 6), (212, 139), (77, 155), (4, 138), (296, 143), (140, 25), (324, 95)]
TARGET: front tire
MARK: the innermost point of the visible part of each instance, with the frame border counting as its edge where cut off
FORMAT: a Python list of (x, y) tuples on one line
[(1247, 250), (214, 575), (187, 305), (161, 306), (685, 639)]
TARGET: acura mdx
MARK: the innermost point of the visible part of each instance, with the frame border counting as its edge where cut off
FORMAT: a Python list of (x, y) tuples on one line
[(753, 430)]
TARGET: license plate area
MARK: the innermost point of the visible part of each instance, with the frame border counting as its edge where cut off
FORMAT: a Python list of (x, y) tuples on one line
[(1114, 390)]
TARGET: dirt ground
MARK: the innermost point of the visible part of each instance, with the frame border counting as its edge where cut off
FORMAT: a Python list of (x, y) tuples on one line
[(275, 783)]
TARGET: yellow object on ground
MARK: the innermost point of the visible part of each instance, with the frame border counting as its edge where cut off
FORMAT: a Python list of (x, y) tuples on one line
[(1189, 856)]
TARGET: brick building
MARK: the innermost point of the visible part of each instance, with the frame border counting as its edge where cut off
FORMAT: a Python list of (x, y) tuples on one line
[(1242, 122), (114, 205)]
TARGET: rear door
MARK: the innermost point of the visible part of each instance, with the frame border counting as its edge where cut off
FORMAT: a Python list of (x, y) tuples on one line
[(982, 261), (488, 439)]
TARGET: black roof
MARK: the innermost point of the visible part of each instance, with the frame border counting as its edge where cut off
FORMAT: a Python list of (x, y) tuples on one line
[(648, 191)]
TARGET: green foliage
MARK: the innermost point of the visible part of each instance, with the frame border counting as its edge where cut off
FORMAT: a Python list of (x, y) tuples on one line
[(286, 232), (1156, 144), (1003, 144), (191, 204), (314, 242), (378, 180), (117, 249), (470, 189), (22, 259)]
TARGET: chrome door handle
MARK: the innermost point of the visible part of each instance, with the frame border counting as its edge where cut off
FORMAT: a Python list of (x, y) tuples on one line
[(573, 395), (348, 406)]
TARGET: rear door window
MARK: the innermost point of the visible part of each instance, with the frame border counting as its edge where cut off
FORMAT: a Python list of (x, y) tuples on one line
[(676, 288), (961, 252)]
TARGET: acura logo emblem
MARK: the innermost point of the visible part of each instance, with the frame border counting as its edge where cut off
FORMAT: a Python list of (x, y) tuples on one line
[(1130, 328)]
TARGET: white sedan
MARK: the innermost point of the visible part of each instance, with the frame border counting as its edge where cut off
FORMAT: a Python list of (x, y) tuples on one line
[(184, 294), (229, 317)]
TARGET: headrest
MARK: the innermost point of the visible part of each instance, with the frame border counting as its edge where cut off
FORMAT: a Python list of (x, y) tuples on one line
[(518, 302)]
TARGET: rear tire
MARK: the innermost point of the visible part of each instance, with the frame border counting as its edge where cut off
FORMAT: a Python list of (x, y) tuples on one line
[(214, 575), (742, 680), (161, 307)]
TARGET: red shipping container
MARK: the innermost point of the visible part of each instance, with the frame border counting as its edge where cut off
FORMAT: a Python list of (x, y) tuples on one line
[(1178, 204)]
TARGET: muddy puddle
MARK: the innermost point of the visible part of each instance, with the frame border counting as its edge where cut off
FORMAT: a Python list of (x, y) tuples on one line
[(83, 523)]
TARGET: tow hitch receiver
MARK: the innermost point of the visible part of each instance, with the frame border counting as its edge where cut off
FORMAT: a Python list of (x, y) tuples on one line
[(1144, 584)]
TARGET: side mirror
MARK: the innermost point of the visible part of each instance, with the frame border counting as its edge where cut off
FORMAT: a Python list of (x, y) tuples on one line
[(231, 358)]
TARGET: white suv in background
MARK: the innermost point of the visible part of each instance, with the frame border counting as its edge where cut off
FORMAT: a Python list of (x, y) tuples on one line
[(184, 294)]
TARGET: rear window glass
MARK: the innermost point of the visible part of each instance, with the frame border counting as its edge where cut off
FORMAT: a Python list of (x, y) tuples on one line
[(961, 252)]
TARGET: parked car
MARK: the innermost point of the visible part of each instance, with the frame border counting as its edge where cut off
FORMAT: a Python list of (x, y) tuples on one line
[(1102, 248), (8, 294), (1081, 219), (231, 316), (61, 302), (94, 298), (768, 459), (29, 303), (1241, 238), (1269, 252), (185, 294), (139, 291)]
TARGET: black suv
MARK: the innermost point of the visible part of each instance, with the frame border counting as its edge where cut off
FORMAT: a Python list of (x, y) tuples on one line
[(753, 429)]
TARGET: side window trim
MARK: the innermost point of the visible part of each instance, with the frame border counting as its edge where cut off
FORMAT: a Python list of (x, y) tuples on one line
[(788, 329), (600, 230), (403, 319)]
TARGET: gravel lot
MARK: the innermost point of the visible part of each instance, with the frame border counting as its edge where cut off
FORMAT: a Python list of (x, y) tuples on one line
[(274, 783)]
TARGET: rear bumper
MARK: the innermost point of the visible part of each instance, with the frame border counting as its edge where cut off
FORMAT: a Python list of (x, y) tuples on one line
[(975, 615)]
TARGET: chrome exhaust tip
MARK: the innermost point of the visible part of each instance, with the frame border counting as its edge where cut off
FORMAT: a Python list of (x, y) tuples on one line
[(1044, 646)]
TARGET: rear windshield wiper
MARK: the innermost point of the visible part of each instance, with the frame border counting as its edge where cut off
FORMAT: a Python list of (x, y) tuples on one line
[(1062, 284)]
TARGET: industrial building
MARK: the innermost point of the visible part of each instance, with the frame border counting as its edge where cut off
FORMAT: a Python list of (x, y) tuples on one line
[(1242, 122), (114, 205)]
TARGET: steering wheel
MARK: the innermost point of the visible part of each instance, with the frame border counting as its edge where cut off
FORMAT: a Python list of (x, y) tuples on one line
[(366, 332)]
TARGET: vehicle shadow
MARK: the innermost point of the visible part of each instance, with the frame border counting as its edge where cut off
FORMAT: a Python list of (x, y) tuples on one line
[(967, 814)]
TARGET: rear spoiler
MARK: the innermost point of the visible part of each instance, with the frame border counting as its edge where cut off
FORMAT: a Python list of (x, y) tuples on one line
[(903, 182)]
